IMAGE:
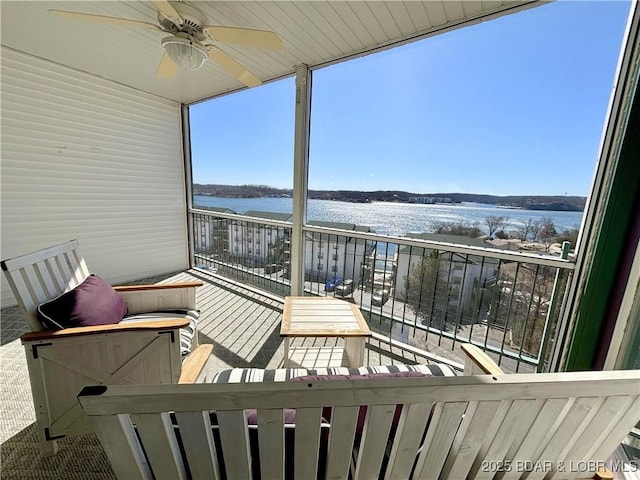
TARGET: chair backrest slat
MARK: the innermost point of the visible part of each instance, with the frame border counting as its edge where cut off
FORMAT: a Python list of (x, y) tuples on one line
[(48, 278), (72, 266), (30, 293), (539, 433), (39, 276), (568, 422)]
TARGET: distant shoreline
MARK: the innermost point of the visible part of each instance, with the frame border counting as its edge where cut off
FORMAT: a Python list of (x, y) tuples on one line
[(390, 218), (557, 203)]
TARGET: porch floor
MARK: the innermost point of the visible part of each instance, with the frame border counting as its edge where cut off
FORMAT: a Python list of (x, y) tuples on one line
[(243, 326)]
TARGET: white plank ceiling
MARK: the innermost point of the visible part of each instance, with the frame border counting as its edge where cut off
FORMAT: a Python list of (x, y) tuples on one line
[(313, 32)]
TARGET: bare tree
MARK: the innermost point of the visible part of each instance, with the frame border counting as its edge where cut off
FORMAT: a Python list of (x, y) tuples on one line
[(495, 223), (525, 230), (547, 232), (536, 228)]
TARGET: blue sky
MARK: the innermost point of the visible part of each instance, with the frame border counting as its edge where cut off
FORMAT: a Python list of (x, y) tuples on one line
[(512, 106)]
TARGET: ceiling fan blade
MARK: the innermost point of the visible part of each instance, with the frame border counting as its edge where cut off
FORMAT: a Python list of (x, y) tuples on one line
[(167, 68), (234, 68), (167, 10), (103, 19), (245, 36)]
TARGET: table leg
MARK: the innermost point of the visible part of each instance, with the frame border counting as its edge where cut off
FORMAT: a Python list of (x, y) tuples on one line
[(287, 362), (354, 349)]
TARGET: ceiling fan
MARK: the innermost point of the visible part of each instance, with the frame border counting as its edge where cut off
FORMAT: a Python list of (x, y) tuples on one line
[(191, 41)]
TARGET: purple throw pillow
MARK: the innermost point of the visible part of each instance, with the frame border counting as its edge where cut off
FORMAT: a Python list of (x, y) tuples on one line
[(93, 302)]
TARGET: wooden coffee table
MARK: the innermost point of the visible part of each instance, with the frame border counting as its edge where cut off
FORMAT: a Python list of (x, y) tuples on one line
[(323, 317)]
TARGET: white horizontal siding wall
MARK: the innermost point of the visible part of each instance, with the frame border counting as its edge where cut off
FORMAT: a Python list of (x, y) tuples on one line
[(86, 158)]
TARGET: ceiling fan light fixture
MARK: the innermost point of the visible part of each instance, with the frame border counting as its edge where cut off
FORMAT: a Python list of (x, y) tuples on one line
[(187, 54)]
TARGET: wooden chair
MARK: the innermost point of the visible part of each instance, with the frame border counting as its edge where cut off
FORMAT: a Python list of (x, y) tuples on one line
[(534, 426), (62, 362)]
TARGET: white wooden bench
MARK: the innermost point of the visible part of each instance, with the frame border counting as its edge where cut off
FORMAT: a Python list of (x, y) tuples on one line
[(533, 426)]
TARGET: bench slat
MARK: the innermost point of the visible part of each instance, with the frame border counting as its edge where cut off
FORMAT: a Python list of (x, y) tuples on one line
[(468, 440), (341, 437), (445, 421), (563, 430), (532, 446), (620, 428), (307, 442), (374, 440), (234, 438), (271, 442), (161, 446), (411, 427), (199, 444), (598, 430), (118, 438), (513, 428)]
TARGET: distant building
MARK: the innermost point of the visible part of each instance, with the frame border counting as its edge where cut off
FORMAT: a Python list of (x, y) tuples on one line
[(430, 200), (465, 274), (327, 256), (208, 232), (255, 244)]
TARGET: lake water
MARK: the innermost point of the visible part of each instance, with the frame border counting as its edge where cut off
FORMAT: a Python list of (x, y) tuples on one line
[(395, 218)]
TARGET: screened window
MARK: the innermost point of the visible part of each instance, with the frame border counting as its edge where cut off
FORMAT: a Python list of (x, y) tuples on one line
[(433, 136), (242, 149)]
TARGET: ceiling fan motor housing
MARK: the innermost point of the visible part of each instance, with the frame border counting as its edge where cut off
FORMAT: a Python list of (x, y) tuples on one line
[(193, 21)]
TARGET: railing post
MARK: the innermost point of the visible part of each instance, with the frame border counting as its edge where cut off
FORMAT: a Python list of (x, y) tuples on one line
[(553, 302), (300, 176), (188, 180)]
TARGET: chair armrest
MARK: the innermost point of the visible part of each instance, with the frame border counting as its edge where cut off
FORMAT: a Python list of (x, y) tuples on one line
[(478, 362), (603, 473), (158, 286), (195, 363), (165, 324)]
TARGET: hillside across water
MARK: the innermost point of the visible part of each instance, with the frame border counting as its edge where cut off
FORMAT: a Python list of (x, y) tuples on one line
[(559, 203)]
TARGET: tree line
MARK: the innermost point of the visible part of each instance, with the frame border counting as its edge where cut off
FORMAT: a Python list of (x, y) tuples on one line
[(541, 230)]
